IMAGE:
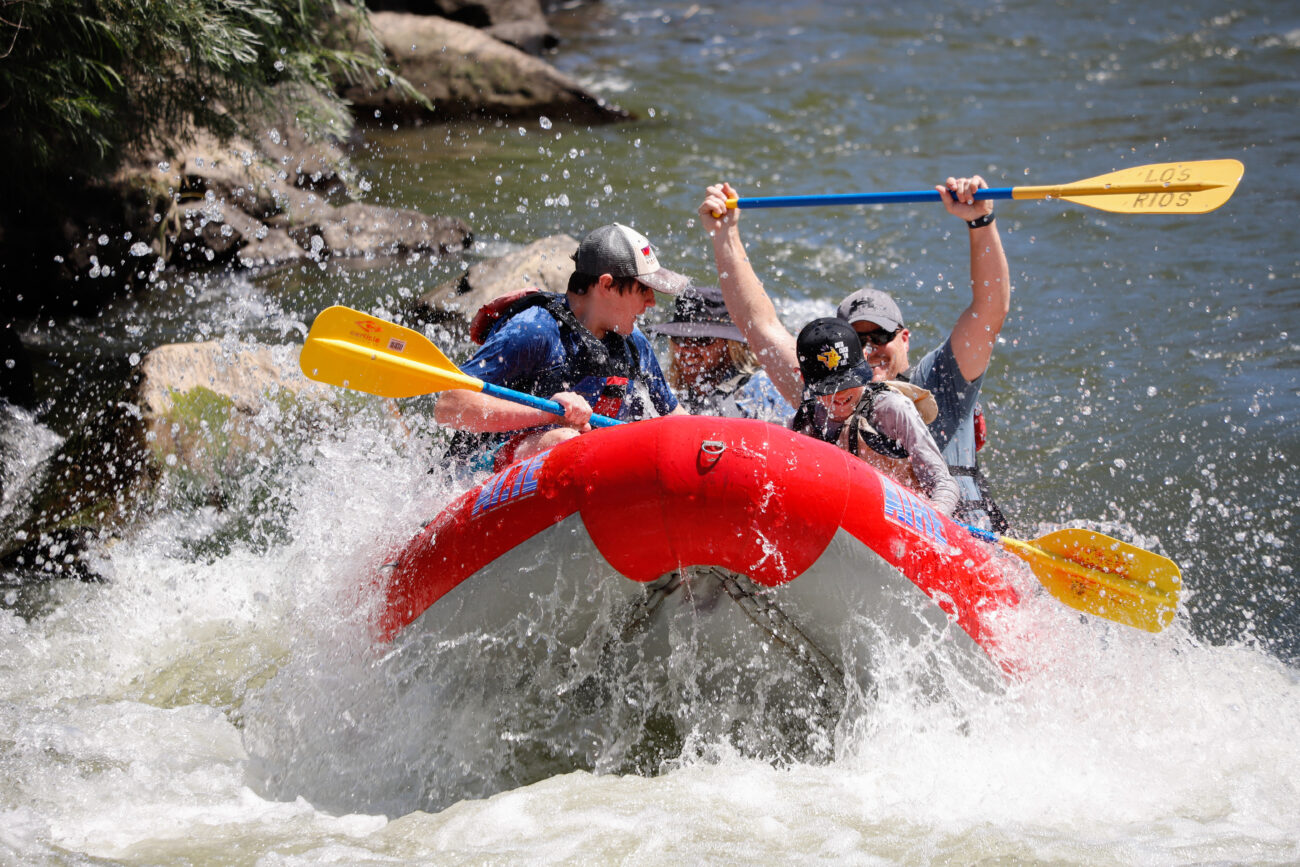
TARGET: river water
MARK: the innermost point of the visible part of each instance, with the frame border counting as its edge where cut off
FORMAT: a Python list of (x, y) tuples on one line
[(1146, 384)]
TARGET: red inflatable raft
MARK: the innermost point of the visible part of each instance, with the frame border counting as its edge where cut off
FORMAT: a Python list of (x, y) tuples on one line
[(808, 539)]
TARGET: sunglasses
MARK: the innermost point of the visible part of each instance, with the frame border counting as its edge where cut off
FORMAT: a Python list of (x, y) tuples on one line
[(694, 342), (878, 337)]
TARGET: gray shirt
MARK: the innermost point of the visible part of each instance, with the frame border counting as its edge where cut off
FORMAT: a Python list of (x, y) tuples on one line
[(895, 416), (954, 427)]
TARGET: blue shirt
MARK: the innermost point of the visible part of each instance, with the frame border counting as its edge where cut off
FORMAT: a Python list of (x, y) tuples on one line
[(529, 349), (758, 398), (750, 395)]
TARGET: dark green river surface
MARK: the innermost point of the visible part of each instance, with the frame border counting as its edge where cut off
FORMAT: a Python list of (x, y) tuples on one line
[(1146, 384)]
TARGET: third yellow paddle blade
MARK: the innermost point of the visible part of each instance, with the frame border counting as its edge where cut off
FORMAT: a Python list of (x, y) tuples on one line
[(348, 348), (1163, 188), (1103, 576), (1156, 575)]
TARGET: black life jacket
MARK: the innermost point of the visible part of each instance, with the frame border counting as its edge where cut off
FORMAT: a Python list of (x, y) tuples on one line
[(718, 400), (808, 420), (614, 358)]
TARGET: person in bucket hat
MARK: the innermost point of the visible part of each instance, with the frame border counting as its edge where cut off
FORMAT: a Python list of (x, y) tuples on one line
[(953, 372), (583, 350), (879, 422), (711, 367)]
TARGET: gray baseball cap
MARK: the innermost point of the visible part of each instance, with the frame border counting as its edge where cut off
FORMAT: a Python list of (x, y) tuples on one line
[(621, 251), (871, 305)]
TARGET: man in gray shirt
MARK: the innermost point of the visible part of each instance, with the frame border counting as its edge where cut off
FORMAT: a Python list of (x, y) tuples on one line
[(953, 372)]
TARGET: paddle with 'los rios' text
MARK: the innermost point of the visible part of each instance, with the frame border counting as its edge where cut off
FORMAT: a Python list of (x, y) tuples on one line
[(1160, 188)]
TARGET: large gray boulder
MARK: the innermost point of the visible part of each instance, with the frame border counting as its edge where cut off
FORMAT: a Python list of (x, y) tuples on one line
[(465, 72), (207, 409), (522, 23), (545, 264)]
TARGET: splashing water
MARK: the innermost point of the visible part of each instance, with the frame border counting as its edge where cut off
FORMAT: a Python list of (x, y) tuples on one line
[(222, 701)]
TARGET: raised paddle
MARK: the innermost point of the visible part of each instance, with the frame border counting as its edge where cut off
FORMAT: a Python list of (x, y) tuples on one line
[(1159, 188), (1086, 570), (354, 350), (1100, 575)]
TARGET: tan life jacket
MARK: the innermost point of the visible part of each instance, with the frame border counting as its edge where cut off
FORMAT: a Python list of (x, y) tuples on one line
[(921, 397)]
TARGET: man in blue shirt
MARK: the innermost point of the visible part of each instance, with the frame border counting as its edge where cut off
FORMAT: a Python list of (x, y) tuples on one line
[(953, 372), (582, 350)]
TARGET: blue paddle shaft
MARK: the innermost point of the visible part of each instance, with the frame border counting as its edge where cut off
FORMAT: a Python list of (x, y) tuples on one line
[(982, 535), (861, 198), (541, 403)]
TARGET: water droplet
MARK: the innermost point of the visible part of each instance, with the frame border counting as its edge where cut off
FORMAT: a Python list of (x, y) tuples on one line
[(544, 121)]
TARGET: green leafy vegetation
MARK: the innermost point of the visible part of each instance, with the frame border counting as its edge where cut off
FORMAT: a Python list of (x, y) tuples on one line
[(82, 81)]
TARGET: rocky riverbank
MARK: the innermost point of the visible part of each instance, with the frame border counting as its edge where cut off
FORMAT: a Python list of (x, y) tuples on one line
[(196, 421), (203, 203)]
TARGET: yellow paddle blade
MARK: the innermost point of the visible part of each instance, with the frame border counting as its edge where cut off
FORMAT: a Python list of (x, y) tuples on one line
[(1099, 575), (354, 350), (1160, 188)]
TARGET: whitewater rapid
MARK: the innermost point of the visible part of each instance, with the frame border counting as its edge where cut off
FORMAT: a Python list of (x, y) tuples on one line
[(127, 707)]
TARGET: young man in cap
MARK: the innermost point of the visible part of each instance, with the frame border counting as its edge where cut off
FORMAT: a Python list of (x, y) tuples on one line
[(953, 372), (876, 421), (582, 350)]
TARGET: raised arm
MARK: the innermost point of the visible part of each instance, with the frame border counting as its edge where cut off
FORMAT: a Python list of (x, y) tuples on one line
[(747, 302), (977, 329)]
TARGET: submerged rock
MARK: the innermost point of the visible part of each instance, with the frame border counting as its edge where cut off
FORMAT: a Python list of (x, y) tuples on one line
[(200, 425)]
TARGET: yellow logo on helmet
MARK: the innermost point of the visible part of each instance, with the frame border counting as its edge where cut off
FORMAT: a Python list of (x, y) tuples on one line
[(830, 358)]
